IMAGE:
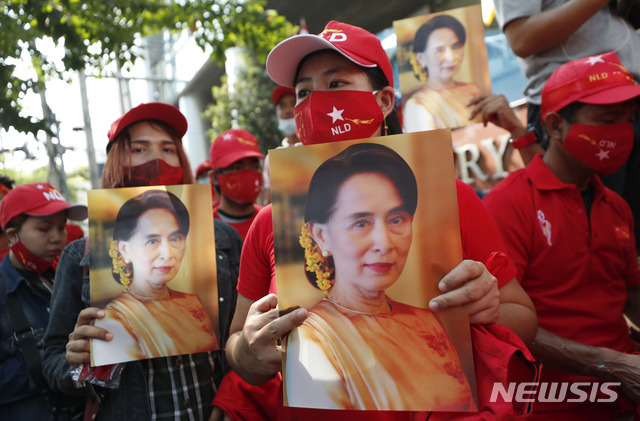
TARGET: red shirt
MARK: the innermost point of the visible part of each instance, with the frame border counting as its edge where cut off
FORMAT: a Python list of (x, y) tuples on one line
[(576, 271), (243, 226), (479, 234)]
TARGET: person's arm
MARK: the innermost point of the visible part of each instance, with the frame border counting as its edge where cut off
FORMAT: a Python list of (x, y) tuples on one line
[(66, 305), (534, 34), (561, 354), (517, 311), (252, 349), (495, 109)]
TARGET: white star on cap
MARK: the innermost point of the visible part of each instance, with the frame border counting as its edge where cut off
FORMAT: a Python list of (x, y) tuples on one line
[(227, 136), (336, 115), (603, 154), (595, 59), (40, 186)]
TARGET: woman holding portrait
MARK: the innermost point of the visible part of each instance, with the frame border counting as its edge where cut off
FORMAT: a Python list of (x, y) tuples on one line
[(144, 149), (148, 319), (346, 67), (438, 52), (357, 347)]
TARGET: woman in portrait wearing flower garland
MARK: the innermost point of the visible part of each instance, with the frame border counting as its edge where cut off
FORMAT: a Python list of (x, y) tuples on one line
[(357, 348), (149, 319)]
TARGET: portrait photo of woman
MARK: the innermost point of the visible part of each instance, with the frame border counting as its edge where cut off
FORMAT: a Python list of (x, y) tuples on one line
[(357, 348), (437, 93), (150, 318)]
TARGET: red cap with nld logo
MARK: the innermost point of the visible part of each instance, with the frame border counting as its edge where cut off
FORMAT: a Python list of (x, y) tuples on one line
[(598, 79), (38, 199), (360, 46), (231, 146)]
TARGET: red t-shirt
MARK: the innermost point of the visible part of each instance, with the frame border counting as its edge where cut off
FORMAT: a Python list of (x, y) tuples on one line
[(479, 234), (243, 226), (576, 272)]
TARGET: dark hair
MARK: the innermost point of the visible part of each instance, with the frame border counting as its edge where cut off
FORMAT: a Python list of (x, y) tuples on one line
[(7, 181), (130, 212), (441, 21), (378, 81), (357, 159), (118, 161), (16, 223), (568, 112)]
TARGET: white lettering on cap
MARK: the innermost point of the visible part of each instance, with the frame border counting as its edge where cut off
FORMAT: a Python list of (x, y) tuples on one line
[(337, 37), (52, 195)]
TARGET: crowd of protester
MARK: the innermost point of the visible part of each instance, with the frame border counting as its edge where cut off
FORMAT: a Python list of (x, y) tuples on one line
[(558, 310)]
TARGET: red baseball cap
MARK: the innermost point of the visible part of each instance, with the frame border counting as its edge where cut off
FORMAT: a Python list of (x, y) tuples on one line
[(231, 146), (281, 91), (160, 111), (38, 199), (356, 44), (203, 168), (593, 80)]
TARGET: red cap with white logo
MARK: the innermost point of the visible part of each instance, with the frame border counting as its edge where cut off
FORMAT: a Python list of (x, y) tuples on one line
[(38, 199), (159, 111), (231, 146), (598, 79), (356, 44)]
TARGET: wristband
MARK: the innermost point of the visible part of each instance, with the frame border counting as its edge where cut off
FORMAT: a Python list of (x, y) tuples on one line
[(530, 137)]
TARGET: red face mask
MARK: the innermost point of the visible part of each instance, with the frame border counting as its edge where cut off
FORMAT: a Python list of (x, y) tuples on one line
[(331, 116), (31, 261), (242, 186), (153, 173), (603, 148)]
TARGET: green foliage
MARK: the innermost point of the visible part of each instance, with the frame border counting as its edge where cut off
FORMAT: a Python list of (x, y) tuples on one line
[(251, 105), (39, 175), (97, 32), (77, 180)]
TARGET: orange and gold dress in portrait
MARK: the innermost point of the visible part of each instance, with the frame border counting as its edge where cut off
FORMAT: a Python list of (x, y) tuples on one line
[(151, 328), (401, 360), (429, 109)]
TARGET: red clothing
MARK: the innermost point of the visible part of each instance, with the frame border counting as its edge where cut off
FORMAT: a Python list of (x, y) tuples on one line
[(241, 227), (74, 232), (576, 271), (479, 234)]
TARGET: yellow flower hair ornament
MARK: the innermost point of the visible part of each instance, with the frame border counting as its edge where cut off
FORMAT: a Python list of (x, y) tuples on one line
[(418, 71), (315, 262), (121, 270)]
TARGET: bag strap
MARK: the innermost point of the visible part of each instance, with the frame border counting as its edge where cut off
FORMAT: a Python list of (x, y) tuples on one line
[(24, 336)]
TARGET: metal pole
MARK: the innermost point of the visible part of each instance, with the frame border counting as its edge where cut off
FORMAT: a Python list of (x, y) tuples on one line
[(91, 152)]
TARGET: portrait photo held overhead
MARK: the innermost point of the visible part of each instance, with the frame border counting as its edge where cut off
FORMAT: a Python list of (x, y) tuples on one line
[(363, 233), (443, 64), (152, 273)]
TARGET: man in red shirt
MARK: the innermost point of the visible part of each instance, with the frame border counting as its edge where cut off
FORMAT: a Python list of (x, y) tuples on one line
[(237, 178), (572, 241)]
